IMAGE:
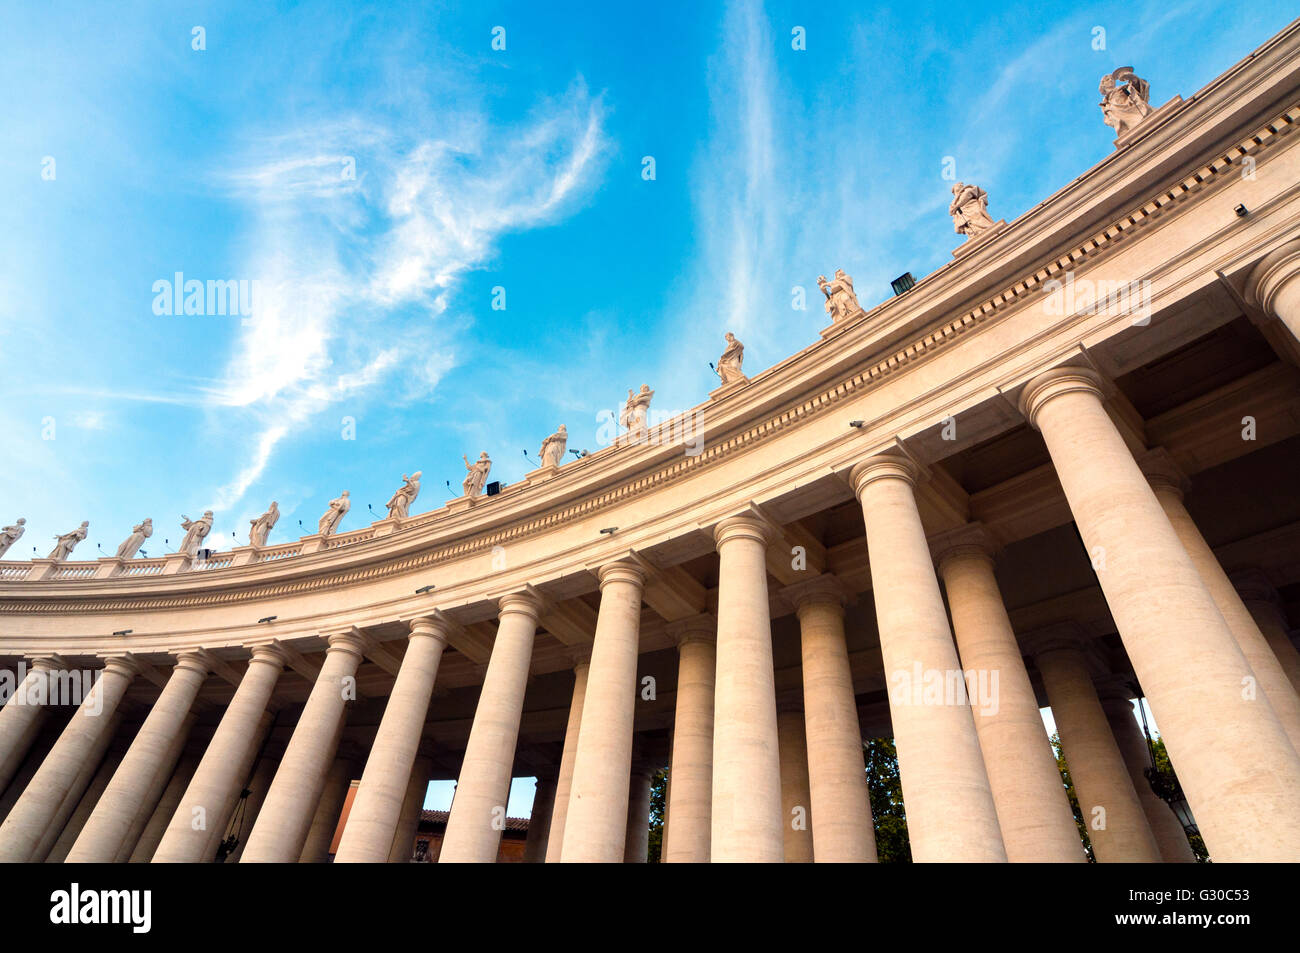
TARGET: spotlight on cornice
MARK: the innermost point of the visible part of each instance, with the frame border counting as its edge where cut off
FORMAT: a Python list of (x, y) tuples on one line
[(609, 530), (270, 618), (857, 424), (1241, 211), (124, 632), (423, 589)]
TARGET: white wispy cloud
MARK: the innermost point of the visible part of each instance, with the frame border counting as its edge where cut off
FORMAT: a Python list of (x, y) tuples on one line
[(362, 235)]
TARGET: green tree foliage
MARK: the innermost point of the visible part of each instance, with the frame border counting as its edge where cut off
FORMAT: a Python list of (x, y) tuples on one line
[(886, 792), (658, 802), (1074, 801)]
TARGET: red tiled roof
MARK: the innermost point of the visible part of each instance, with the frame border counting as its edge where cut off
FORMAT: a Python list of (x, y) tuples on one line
[(439, 819)]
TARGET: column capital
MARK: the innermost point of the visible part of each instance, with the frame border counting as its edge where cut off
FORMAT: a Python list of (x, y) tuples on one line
[(126, 665), (46, 663), (888, 465), (193, 660), (1114, 690), (623, 570), (1268, 277), (526, 602), (972, 541), (826, 589), (437, 626), (1063, 636), (747, 525), (1162, 472), (351, 641), (579, 655), (270, 652), (696, 628), (1054, 383)]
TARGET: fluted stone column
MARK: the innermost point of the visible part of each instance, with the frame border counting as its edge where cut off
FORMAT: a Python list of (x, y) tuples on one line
[(326, 820), (636, 828), (143, 850), (1168, 485), (1273, 286), (539, 821), (23, 714), (285, 818), (1233, 757), (1171, 839), (196, 829), (690, 788), (25, 827), (1033, 808), (950, 811), (844, 832), (796, 798), (478, 811), (402, 847), (1265, 608), (746, 809), (115, 813), (564, 782), (377, 805), (595, 827), (1117, 824)]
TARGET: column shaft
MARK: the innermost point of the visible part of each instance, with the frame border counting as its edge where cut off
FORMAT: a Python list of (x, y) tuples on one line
[(539, 821), (837, 778), (950, 811), (326, 820), (595, 827), (690, 790), (746, 802), (21, 717), (478, 811), (373, 820), (1171, 839), (1232, 755), (124, 798), (286, 814), (35, 811), (636, 828), (1033, 809), (564, 782), (796, 799), (196, 828)]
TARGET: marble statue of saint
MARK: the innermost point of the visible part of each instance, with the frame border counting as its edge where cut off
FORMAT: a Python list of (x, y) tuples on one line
[(195, 532), (260, 528), (841, 300), (399, 504), (9, 534), (635, 410), (139, 534), (334, 515), (1124, 99), (477, 476), (969, 210), (553, 447), (733, 355), (66, 542)]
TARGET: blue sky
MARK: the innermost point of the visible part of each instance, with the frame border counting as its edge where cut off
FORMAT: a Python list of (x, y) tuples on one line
[(478, 169)]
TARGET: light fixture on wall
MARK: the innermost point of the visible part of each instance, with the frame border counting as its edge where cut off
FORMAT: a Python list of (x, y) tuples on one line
[(270, 618), (423, 589)]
